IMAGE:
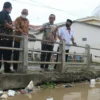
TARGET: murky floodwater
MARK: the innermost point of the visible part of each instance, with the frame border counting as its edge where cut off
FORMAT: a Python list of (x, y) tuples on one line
[(77, 92)]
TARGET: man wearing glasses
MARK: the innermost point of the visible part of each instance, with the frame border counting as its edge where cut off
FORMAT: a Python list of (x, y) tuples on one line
[(49, 36)]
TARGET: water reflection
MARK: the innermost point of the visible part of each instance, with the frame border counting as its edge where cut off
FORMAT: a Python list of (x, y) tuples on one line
[(78, 92), (72, 96)]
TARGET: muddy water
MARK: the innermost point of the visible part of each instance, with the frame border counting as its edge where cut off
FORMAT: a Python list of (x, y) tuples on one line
[(77, 92)]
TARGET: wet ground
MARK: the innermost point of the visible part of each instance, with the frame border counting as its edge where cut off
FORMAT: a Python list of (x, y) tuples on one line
[(77, 92)]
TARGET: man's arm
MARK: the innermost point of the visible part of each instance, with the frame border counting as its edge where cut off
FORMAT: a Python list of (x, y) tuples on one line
[(17, 25), (7, 25), (43, 28), (60, 35), (73, 42), (3, 20)]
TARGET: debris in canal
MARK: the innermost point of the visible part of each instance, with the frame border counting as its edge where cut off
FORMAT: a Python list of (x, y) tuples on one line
[(49, 99), (28, 89), (1, 92), (98, 79), (11, 93), (4, 96), (30, 86), (92, 81), (68, 85)]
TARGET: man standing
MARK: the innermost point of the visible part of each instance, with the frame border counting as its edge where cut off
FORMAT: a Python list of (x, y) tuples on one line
[(6, 28), (49, 34), (22, 26), (66, 34)]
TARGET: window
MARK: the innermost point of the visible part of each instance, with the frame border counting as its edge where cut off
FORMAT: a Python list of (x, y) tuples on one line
[(84, 39)]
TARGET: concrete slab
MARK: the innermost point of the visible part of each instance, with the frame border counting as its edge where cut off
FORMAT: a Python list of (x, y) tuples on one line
[(11, 81)]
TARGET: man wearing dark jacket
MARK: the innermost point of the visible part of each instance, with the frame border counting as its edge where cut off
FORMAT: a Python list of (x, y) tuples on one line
[(6, 28)]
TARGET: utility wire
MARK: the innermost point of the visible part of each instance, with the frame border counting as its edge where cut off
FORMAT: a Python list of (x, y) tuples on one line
[(44, 6), (52, 7)]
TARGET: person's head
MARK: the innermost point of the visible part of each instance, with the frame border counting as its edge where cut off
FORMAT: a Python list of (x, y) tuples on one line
[(52, 18), (68, 23), (24, 13), (7, 7)]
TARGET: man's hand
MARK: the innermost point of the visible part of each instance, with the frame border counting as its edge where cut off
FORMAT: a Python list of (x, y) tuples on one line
[(14, 29), (56, 29), (25, 34), (74, 43), (64, 40), (43, 29)]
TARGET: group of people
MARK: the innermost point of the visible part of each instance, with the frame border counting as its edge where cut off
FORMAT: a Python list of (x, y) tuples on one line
[(6, 27), (50, 34)]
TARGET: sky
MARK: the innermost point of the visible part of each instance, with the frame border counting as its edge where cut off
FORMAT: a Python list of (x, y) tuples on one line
[(39, 10)]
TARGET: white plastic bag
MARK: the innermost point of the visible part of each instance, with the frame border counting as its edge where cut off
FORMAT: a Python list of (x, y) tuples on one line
[(11, 93), (30, 86), (1, 92), (4, 96)]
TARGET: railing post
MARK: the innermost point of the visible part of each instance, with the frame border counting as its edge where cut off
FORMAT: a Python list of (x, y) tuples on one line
[(61, 57), (24, 55), (88, 58)]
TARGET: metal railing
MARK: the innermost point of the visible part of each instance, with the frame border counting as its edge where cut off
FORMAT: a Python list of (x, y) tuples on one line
[(61, 64)]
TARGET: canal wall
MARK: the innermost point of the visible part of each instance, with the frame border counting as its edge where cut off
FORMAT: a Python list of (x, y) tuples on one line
[(13, 81)]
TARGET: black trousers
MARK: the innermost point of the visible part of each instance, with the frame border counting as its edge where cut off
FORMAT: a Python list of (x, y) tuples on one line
[(16, 55), (66, 57), (46, 56), (6, 54)]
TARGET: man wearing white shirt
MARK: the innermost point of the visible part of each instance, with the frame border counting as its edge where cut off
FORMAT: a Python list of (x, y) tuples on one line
[(66, 34)]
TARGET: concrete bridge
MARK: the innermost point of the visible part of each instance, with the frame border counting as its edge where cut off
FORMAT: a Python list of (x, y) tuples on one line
[(65, 72)]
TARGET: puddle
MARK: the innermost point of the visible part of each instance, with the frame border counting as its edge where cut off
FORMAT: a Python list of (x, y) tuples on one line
[(77, 92)]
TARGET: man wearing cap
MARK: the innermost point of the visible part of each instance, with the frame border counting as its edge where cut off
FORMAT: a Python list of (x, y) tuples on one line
[(49, 37), (6, 28), (66, 34), (22, 26)]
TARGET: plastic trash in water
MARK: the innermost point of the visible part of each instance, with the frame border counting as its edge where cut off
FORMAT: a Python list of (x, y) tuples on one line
[(98, 79), (1, 92), (4, 96), (92, 81), (11, 93), (30, 86), (50, 98), (28, 89), (68, 85)]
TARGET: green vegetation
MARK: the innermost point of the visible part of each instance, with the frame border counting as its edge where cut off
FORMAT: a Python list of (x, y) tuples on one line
[(49, 85)]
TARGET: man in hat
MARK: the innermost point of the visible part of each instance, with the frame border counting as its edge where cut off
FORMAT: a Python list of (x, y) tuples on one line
[(66, 34)]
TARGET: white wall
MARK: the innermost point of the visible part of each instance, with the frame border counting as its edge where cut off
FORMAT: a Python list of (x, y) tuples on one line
[(92, 33)]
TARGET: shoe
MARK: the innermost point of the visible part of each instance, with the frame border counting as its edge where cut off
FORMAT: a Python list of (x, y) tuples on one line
[(46, 70), (1, 71), (41, 70), (10, 71)]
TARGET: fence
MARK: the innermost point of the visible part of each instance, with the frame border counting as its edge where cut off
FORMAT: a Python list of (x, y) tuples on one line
[(61, 64)]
